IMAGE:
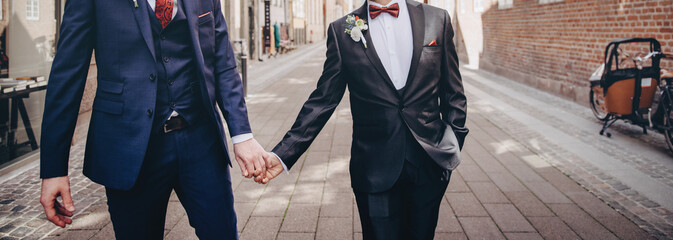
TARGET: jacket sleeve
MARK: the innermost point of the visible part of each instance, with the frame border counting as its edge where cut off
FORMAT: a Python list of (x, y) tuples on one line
[(229, 88), (453, 104), (318, 108), (66, 86)]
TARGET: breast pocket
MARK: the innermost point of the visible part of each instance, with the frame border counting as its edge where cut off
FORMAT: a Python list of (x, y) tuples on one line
[(431, 60), (207, 34)]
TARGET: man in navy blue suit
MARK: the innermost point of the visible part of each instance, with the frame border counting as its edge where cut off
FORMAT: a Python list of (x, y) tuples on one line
[(166, 71)]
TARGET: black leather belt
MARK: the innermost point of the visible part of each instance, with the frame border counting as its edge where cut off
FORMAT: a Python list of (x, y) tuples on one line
[(174, 124)]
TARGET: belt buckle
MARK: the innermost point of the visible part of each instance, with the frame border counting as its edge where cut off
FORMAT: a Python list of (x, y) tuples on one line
[(166, 130)]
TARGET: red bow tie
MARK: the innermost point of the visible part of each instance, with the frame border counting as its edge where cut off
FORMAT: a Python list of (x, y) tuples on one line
[(393, 10)]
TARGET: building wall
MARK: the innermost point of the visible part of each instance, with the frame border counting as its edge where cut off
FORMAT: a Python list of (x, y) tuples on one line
[(314, 20), (556, 46), (335, 9)]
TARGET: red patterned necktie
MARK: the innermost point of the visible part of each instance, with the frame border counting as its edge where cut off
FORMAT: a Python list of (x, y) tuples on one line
[(393, 10), (164, 11)]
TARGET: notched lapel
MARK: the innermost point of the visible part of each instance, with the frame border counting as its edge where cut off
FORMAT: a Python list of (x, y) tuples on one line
[(370, 51), (143, 21), (417, 17), (192, 17), (190, 8)]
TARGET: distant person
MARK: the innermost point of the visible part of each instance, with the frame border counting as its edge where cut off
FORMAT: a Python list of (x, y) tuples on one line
[(276, 37), (164, 68), (399, 63)]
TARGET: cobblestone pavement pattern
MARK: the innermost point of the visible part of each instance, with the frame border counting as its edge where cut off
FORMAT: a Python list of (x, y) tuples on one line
[(514, 182)]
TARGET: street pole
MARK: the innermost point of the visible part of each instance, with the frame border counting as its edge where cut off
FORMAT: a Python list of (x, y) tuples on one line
[(290, 26), (258, 29), (244, 73)]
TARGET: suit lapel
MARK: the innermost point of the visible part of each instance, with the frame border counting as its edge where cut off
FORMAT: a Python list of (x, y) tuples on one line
[(143, 21), (418, 30), (370, 51), (190, 8)]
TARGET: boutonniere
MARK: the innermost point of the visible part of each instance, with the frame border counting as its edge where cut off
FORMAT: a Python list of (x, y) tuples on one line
[(354, 27)]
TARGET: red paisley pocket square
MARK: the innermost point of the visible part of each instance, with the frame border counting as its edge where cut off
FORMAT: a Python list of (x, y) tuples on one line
[(433, 43)]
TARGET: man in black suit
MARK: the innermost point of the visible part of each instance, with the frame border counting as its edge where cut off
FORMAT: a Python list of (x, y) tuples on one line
[(398, 60)]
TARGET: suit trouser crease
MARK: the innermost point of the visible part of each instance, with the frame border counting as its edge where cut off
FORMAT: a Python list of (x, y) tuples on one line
[(410, 209)]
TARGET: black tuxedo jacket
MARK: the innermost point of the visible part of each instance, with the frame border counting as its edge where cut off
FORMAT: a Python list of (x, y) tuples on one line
[(432, 106)]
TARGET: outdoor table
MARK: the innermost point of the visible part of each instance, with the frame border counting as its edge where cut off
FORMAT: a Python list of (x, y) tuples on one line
[(8, 127)]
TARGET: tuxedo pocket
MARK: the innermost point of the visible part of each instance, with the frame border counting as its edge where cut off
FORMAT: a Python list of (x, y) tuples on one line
[(432, 117), (434, 48)]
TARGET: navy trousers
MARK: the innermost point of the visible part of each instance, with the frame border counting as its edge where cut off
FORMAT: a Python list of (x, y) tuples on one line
[(191, 162)]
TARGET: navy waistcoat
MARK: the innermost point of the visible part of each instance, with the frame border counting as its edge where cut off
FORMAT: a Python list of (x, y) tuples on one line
[(178, 89)]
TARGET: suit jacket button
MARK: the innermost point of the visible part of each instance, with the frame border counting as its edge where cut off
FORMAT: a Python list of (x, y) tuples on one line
[(152, 77), (149, 112)]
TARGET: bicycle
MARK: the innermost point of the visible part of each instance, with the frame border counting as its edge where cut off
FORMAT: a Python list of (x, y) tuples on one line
[(640, 95)]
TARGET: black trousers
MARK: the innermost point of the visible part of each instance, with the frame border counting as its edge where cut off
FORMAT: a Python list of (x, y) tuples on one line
[(409, 210)]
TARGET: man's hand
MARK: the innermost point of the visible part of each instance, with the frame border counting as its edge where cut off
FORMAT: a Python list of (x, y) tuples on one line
[(249, 155), (273, 168), (56, 212)]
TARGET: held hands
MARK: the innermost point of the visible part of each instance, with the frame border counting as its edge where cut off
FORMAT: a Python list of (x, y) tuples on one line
[(273, 168), (257, 163), (57, 213), (250, 158)]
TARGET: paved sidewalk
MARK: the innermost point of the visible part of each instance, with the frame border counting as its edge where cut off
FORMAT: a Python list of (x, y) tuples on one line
[(504, 189)]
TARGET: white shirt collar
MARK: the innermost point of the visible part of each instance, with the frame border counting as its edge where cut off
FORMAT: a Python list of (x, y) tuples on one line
[(390, 3)]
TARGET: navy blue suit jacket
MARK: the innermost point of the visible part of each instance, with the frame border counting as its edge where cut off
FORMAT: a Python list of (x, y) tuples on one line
[(123, 109)]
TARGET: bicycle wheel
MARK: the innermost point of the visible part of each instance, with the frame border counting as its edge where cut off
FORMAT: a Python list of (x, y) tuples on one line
[(598, 103), (668, 122)]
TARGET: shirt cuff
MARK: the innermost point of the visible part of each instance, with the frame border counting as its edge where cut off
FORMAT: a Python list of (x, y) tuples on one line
[(241, 138), (281, 162)]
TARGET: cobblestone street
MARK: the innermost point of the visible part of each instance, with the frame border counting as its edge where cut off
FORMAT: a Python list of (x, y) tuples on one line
[(534, 167)]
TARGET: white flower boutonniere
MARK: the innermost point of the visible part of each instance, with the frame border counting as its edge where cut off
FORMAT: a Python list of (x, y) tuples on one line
[(355, 27)]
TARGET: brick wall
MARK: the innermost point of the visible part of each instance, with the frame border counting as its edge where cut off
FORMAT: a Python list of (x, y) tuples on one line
[(556, 46)]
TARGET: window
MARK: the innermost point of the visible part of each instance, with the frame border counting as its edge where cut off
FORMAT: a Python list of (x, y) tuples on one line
[(505, 4), (549, 1), (33, 9), (27, 50), (478, 6), (298, 8)]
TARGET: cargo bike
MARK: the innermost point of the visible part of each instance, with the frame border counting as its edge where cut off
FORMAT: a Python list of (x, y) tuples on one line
[(634, 88)]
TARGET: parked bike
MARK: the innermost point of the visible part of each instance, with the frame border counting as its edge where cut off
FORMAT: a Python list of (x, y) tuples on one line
[(633, 88)]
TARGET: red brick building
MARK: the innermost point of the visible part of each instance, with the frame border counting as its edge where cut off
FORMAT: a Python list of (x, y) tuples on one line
[(555, 45)]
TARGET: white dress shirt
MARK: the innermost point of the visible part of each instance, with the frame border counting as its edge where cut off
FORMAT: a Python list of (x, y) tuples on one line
[(394, 42), (235, 139)]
